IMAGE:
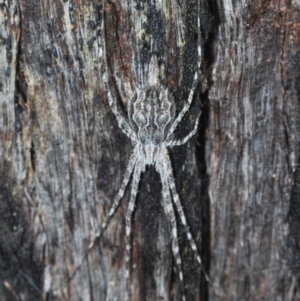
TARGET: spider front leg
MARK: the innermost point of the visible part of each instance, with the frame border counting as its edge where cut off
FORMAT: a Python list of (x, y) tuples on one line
[(186, 138), (178, 205), (186, 106), (121, 119), (195, 81), (120, 116)]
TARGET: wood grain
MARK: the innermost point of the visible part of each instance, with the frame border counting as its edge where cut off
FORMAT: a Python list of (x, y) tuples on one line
[(252, 152), (63, 157)]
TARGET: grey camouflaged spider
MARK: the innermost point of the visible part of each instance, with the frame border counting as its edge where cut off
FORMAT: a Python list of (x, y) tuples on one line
[(151, 124)]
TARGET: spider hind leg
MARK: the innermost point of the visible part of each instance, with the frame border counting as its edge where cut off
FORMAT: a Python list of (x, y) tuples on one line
[(169, 210), (130, 209), (179, 208)]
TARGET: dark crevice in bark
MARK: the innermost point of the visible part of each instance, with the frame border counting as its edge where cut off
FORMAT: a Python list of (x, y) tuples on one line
[(211, 39), (294, 212), (205, 212), (32, 156), (208, 60), (21, 86), (294, 226)]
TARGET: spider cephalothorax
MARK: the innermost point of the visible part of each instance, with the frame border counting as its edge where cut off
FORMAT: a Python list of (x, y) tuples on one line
[(151, 112)]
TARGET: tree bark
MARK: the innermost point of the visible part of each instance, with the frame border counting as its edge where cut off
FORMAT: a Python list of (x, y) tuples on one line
[(252, 152), (63, 156)]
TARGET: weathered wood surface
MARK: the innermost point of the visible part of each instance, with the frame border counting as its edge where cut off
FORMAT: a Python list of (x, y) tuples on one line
[(252, 152), (63, 157)]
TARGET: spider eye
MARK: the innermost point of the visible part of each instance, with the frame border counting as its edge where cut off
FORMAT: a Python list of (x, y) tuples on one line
[(162, 119), (140, 119), (143, 136), (165, 105)]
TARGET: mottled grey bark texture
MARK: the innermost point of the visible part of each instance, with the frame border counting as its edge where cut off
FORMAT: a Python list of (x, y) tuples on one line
[(63, 157), (252, 152)]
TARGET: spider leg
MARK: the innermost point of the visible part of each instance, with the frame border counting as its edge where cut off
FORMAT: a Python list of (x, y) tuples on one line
[(186, 138), (122, 122), (195, 81), (130, 168), (169, 210), (181, 213), (121, 192), (134, 191), (186, 106), (120, 116)]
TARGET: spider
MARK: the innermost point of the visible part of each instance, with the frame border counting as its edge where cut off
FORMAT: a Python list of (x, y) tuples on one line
[(150, 125)]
